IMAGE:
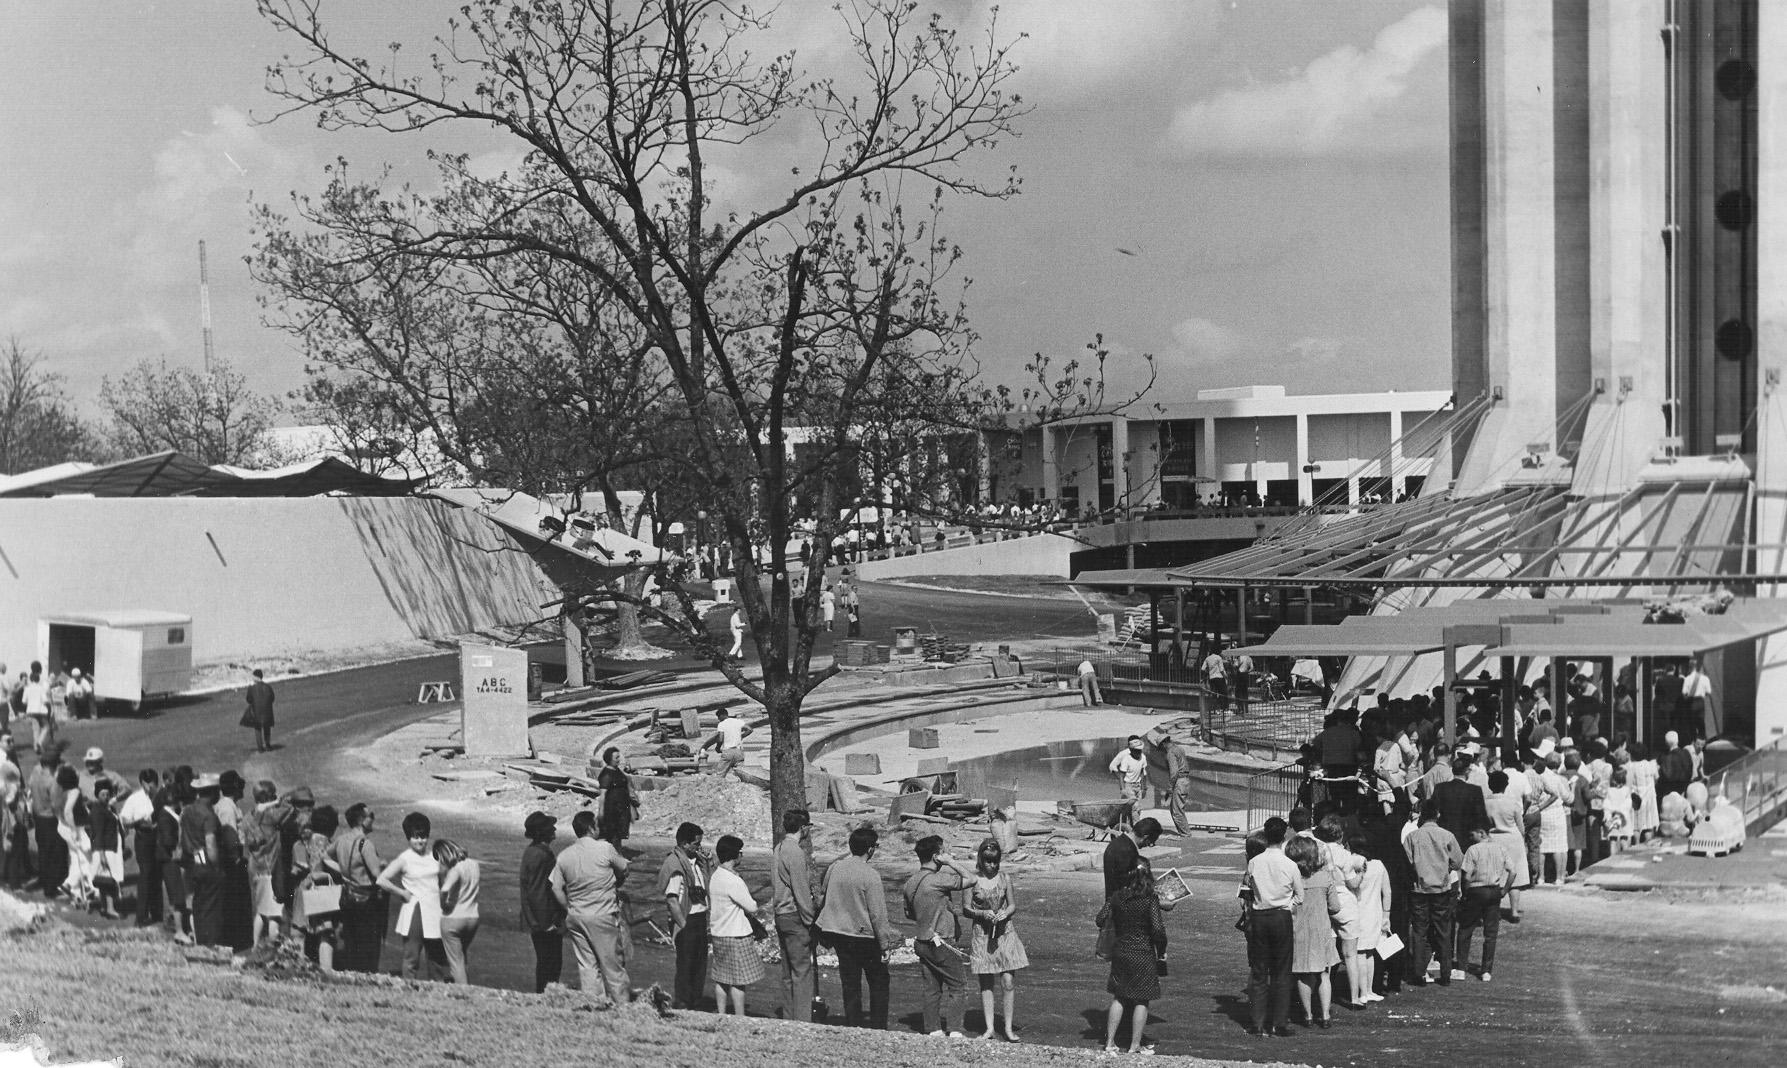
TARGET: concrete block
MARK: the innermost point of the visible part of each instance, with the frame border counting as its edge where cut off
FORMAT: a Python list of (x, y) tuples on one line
[(862, 764), (931, 766), (922, 738)]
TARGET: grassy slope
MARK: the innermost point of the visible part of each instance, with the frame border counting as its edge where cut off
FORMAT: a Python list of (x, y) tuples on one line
[(124, 993)]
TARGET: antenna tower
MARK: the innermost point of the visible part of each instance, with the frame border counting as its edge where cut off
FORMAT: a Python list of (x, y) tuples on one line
[(205, 306)]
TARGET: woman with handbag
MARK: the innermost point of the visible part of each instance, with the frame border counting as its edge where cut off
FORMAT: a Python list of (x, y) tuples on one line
[(733, 929), (362, 931), (459, 904), (316, 904), (1137, 955)]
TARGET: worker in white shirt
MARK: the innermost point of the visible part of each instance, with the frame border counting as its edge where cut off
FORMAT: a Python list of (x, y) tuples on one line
[(1089, 694), (1131, 769), (1216, 678), (729, 741)]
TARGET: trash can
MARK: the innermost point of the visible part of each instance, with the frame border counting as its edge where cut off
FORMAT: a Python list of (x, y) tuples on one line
[(536, 681), (905, 641), (722, 590)]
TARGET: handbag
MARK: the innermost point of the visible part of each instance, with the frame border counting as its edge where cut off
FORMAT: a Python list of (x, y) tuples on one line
[(758, 930), (1107, 934), (322, 899)]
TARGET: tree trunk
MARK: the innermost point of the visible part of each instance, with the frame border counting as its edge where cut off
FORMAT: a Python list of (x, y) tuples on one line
[(787, 760), (629, 638), (573, 628)]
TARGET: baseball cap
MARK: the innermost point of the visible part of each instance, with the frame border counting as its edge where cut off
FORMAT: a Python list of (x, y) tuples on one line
[(94, 754)]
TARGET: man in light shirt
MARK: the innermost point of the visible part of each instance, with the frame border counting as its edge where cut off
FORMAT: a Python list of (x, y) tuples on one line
[(1216, 678), (796, 911), (1131, 769), (1089, 694), (729, 741), (1436, 858), (682, 882), (1274, 889), (586, 880)]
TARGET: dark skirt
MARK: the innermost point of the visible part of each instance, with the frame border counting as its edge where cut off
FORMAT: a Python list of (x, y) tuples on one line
[(1134, 974)]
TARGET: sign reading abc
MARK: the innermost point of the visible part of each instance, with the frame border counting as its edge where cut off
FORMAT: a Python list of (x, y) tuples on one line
[(494, 682)]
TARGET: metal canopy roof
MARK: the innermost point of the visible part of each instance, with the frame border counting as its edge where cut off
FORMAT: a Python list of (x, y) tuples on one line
[(1124, 578), (1296, 639), (172, 474)]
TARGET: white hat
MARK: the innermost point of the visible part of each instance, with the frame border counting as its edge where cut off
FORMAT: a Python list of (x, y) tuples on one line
[(1545, 748), (76, 673), (1671, 738), (1566, 742), (94, 755)]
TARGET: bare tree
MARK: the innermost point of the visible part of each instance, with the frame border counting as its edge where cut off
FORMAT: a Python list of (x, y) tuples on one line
[(778, 318), (37, 426), (211, 416)]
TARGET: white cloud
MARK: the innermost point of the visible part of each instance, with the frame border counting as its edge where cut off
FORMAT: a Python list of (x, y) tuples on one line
[(1206, 343), (1088, 45), (1321, 109), (1308, 351)]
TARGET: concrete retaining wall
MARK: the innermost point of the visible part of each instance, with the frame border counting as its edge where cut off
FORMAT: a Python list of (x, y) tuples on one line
[(1037, 554), (263, 577)]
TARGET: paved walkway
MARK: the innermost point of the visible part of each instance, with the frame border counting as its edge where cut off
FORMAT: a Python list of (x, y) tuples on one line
[(1664, 864)]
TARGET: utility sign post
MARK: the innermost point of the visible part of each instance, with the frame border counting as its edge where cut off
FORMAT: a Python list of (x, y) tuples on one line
[(493, 681)]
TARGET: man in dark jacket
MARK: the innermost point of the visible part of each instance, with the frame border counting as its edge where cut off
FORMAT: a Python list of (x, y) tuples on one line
[(541, 912), (1460, 802), (259, 713)]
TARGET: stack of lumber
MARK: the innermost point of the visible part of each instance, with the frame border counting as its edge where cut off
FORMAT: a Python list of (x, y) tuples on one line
[(854, 652), (634, 679)]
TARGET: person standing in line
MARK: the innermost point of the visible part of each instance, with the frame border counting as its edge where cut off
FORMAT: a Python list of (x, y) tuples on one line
[(1313, 952), (238, 893), (995, 952), (1375, 902), (542, 914), (15, 817), (414, 878), (201, 846), (1178, 760), (259, 714), (459, 904), (170, 806), (682, 883), (736, 962), (362, 903), (854, 919), (1131, 769), (106, 833), (796, 911), (260, 840), (932, 905), (1089, 694), (728, 741), (1138, 951), (1274, 888), (586, 880), (45, 802), (321, 931), (1486, 875), (137, 815), (1507, 828), (1436, 859)]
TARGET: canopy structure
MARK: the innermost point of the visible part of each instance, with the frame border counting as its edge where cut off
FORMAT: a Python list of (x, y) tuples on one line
[(173, 474), (575, 554)]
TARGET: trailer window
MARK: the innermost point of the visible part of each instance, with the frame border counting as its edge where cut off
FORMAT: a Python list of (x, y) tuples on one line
[(176, 635)]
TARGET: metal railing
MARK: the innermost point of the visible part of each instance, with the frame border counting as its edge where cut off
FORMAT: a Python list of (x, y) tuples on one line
[(1272, 793), (1757, 784)]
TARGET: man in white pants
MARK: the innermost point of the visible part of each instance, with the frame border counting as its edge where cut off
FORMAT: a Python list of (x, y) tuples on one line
[(729, 741)]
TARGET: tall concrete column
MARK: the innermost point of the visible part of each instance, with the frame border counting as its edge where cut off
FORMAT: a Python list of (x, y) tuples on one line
[(1771, 354), (1627, 278), (1396, 474), (1305, 479), (1207, 458), (1051, 466), (1519, 237), (1120, 462)]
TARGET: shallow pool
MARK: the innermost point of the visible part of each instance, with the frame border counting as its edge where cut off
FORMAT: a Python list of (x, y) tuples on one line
[(1080, 771)]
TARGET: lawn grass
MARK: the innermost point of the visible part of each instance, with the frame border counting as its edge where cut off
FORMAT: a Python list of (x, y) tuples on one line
[(122, 993)]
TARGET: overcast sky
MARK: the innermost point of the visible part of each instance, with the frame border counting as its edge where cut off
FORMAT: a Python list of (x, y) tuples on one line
[(1275, 169)]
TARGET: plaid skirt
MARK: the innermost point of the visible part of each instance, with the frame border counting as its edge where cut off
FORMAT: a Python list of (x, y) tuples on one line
[(736, 961)]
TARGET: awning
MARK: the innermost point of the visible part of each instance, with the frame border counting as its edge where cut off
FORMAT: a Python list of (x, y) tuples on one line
[(1317, 640), (1124, 578)]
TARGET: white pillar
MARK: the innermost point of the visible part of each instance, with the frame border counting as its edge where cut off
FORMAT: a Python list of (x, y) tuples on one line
[(1207, 458), (1120, 462), (1051, 466), (1305, 480), (1395, 474)]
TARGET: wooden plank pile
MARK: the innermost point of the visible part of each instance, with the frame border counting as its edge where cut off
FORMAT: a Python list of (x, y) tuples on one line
[(854, 652), (635, 679), (937, 648)]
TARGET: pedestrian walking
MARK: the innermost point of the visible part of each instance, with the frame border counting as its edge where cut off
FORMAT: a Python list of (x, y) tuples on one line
[(34, 695), (586, 880), (459, 904), (683, 884), (796, 911), (733, 931), (728, 741), (1138, 957), (258, 716), (931, 903), (735, 624), (854, 920), (542, 914), (414, 878), (363, 904), (996, 953)]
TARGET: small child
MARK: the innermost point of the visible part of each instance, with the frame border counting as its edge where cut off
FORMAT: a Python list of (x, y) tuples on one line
[(107, 837), (1621, 817)]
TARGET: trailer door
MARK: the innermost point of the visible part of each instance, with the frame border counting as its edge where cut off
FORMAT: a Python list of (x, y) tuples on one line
[(118, 667)]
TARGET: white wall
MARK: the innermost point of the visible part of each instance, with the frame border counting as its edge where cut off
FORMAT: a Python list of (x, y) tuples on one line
[(1037, 554), (263, 577)]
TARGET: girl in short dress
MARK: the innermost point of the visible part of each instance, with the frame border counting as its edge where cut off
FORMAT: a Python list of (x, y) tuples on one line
[(1139, 944), (1312, 929), (414, 878), (995, 951)]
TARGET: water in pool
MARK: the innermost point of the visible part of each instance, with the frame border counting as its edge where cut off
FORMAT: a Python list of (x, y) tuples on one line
[(1080, 771)]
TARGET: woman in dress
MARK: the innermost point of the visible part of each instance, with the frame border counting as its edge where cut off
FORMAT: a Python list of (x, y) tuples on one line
[(260, 839), (1577, 805), (619, 806), (1374, 920), (1312, 930), (736, 962), (1554, 820), (460, 876), (1641, 776), (312, 854), (71, 827), (106, 834), (1348, 871), (1139, 945), (1507, 828), (995, 953), (1620, 815), (414, 878)]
